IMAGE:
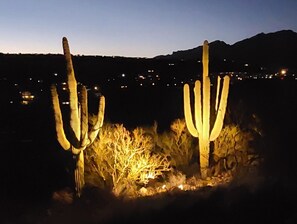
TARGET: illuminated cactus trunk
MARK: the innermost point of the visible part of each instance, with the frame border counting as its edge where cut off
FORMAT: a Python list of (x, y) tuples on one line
[(81, 136), (201, 126)]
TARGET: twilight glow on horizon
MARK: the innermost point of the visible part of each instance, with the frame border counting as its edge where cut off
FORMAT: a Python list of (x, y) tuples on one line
[(136, 28)]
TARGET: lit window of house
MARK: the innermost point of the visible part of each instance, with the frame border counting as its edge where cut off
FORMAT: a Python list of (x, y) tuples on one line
[(27, 97)]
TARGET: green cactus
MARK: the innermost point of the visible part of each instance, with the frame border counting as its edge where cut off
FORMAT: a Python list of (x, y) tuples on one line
[(201, 127), (81, 136)]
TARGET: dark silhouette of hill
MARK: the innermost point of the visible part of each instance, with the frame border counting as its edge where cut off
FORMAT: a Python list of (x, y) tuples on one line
[(262, 51), (218, 49), (87, 68)]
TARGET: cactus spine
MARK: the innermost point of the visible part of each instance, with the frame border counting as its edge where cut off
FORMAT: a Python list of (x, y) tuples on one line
[(201, 126), (81, 136)]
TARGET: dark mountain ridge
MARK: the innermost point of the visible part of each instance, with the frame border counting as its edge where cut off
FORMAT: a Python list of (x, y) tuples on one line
[(262, 53), (272, 50)]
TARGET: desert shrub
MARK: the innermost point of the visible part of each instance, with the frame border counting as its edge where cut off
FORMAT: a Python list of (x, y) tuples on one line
[(177, 144), (176, 179), (123, 160), (233, 150)]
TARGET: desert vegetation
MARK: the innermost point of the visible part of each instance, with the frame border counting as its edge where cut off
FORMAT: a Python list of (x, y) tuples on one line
[(144, 162)]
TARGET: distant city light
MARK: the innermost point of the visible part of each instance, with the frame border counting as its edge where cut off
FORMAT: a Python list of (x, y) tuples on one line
[(283, 71), (146, 79)]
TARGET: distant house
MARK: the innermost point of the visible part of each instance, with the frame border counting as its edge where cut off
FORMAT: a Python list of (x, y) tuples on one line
[(27, 97)]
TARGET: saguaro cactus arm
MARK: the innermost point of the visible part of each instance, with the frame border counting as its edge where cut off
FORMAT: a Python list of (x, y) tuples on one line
[(84, 117), (59, 121), (99, 122), (188, 114), (198, 109), (221, 111), (218, 92)]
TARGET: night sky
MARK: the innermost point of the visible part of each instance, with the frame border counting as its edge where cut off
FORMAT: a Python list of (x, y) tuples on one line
[(137, 28)]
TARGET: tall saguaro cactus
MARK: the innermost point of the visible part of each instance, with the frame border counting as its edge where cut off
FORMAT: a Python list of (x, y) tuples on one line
[(81, 135), (200, 127)]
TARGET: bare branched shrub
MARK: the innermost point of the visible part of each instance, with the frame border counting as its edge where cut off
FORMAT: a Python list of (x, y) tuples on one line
[(232, 150), (178, 145), (124, 160)]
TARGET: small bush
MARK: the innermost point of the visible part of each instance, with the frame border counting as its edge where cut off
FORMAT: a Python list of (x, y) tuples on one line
[(123, 160), (232, 150), (178, 145)]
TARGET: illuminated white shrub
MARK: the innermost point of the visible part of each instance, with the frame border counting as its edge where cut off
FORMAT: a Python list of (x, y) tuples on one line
[(124, 160), (178, 145)]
